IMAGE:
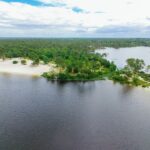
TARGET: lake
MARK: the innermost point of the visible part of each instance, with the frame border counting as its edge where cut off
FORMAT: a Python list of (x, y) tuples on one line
[(39, 115), (119, 56)]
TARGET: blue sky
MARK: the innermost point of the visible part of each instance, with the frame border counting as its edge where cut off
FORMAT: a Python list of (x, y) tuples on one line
[(31, 2), (74, 18)]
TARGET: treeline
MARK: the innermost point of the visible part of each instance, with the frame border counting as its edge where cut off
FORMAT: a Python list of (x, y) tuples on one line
[(24, 47), (46, 49)]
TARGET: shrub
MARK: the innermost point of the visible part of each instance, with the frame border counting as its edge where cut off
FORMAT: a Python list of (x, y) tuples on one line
[(15, 62), (23, 62), (35, 62)]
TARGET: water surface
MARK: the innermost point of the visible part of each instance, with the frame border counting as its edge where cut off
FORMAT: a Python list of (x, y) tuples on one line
[(40, 115), (119, 56)]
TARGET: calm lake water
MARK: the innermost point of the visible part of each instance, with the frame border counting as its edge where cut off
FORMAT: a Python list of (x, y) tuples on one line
[(39, 115), (119, 56)]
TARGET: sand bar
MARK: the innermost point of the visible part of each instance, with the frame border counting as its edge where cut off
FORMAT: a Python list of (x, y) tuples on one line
[(7, 66)]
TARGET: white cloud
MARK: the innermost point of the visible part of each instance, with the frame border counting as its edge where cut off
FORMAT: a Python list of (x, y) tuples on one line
[(20, 19)]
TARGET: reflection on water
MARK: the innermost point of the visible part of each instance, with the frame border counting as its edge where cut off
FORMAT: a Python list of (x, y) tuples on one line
[(80, 87), (39, 115), (119, 56)]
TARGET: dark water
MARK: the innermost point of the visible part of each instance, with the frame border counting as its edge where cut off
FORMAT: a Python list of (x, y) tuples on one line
[(119, 56), (40, 115)]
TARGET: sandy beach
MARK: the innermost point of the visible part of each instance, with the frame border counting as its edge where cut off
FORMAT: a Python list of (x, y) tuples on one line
[(7, 66)]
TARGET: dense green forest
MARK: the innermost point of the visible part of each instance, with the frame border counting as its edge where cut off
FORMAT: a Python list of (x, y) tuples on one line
[(52, 47), (76, 59)]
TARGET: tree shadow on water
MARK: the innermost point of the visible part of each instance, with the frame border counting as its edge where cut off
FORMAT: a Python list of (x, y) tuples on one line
[(79, 87)]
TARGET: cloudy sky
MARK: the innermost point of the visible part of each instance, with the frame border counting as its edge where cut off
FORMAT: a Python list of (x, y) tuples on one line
[(74, 18)]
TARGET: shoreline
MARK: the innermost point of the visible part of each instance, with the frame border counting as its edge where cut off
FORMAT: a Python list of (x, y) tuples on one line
[(7, 67)]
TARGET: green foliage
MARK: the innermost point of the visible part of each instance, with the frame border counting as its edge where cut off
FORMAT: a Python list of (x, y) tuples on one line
[(15, 62), (135, 65), (23, 62), (35, 62), (148, 68), (45, 59), (47, 49)]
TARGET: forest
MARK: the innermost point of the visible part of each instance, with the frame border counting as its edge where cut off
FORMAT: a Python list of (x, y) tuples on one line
[(76, 59)]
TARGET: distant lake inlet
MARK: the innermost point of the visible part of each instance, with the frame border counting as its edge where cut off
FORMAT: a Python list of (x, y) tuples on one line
[(120, 55)]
